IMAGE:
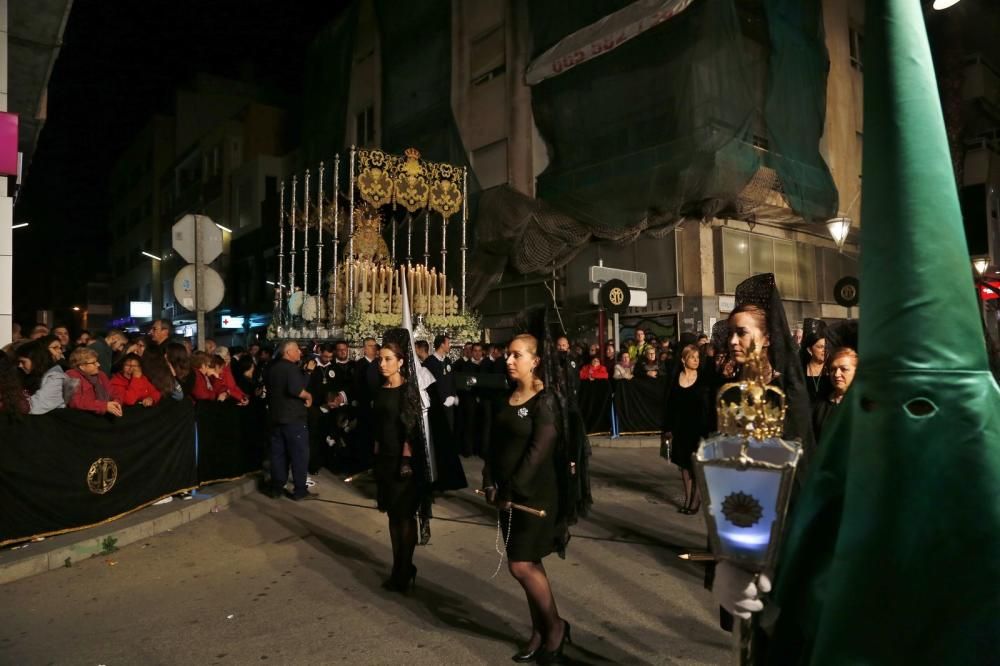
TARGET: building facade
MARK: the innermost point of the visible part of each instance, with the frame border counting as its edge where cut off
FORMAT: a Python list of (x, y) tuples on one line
[(218, 155), (694, 262)]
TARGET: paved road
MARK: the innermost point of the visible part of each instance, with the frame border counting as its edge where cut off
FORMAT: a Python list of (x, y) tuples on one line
[(276, 582)]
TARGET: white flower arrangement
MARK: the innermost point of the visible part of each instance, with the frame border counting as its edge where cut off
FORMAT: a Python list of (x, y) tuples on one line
[(361, 325)]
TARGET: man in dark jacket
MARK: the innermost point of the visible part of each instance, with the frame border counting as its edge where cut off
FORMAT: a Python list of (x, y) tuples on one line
[(443, 392), (289, 402), (107, 347), (321, 375), (367, 379)]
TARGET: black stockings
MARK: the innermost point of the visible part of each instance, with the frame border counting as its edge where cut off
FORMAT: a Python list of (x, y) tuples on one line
[(692, 496), (403, 533), (546, 625)]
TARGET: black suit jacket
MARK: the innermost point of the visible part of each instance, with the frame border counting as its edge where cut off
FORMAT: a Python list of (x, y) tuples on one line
[(444, 383), (343, 379)]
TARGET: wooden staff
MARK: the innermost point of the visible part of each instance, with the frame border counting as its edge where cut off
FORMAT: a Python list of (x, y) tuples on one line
[(697, 556), (351, 478), (519, 507)]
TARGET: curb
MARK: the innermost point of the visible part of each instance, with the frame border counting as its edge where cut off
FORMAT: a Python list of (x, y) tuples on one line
[(56, 552), (625, 442)]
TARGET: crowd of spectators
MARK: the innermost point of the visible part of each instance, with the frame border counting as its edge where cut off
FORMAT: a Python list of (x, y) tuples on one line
[(114, 370)]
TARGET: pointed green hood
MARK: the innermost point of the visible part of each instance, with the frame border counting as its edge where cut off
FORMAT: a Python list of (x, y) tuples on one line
[(918, 297), (891, 554)]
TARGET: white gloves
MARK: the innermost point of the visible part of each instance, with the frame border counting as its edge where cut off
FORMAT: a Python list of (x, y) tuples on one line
[(737, 589), (451, 401)]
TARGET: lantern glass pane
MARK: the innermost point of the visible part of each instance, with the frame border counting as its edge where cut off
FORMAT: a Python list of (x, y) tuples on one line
[(743, 503)]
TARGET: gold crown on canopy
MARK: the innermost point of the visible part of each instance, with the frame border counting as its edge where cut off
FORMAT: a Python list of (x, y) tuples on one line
[(751, 408)]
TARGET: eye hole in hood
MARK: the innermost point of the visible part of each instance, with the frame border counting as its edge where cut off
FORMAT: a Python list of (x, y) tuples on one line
[(920, 408)]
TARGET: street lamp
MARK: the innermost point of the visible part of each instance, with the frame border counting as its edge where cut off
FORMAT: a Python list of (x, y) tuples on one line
[(19, 226), (944, 4), (839, 227), (226, 229), (981, 264), (152, 256)]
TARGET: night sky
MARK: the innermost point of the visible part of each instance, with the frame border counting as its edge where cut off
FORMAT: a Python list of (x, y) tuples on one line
[(120, 63)]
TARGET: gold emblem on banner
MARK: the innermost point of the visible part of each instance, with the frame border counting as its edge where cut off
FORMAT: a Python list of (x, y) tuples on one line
[(409, 181), (446, 195), (375, 177), (102, 475)]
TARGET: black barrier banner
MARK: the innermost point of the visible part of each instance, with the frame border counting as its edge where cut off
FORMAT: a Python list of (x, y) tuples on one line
[(639, 405), (70, 469), (231, 440), (594, 398)]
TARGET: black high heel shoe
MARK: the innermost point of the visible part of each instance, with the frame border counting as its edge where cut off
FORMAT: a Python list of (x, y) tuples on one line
[(555, 656), (525, 656), (402, 583)]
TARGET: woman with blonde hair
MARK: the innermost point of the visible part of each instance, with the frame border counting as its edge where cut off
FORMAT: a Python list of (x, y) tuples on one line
[(523, 466), (688, 420)]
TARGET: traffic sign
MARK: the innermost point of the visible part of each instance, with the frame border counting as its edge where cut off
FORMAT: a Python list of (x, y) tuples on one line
[(846, 291), (184, 288), (184, 237), (602, 273), (615, 296)]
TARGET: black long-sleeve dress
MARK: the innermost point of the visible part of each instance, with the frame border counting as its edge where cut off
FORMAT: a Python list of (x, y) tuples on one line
[(398, 497), (521, 463), (688, 419)]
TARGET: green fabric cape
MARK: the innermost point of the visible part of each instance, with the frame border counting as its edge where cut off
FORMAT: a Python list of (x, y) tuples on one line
[(893, 551)]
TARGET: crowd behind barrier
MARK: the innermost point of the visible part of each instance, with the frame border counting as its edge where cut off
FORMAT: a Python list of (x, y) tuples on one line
[(68, 469), (623, 406)]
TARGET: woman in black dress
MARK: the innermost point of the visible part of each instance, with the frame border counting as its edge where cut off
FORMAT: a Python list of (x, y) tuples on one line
[(758, 324), (522, 467), (813, 356), (398, 461), (688, 420), (842, 366)]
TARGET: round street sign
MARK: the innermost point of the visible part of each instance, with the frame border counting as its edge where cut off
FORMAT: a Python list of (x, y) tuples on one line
[(184, 291), (846, 291), (183, 233), (615, 296)]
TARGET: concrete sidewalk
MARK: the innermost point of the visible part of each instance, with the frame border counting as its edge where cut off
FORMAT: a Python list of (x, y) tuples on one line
[(63, 550)]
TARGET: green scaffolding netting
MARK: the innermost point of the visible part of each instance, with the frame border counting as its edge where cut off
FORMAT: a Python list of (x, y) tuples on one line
[(664, 126)]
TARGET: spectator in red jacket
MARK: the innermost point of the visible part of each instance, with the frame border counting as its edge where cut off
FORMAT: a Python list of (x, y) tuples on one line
[(130, 387), (93, 390), (594, 370), (226, 382), (205, 374)]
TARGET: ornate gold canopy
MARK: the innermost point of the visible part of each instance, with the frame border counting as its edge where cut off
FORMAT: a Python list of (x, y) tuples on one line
[(409, 182)]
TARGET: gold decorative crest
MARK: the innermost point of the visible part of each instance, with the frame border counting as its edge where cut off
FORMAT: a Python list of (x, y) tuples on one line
[(751, 408), (102, 475), (375, 180), (409, 181), (411, 189)]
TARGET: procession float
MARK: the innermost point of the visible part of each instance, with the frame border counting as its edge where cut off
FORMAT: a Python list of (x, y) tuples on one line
[(343, 279)]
